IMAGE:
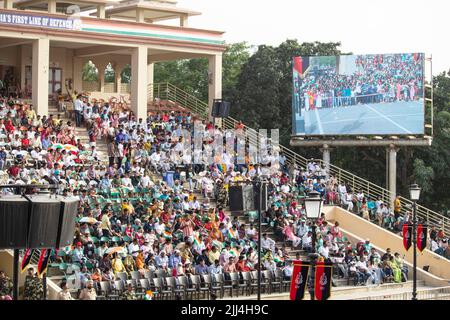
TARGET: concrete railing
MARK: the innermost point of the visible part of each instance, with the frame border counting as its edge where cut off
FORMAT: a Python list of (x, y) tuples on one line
[(359, 229)]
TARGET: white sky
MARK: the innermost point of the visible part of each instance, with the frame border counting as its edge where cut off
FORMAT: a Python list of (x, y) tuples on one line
[(363, 27)]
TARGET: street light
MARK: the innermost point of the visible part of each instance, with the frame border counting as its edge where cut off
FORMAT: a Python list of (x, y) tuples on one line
[(313, 207), (414, 193)]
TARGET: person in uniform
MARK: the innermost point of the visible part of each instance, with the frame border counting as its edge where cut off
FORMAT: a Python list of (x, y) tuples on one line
[(222, 196), (129, 294), (6, 285), (33, 286), (64, 294), (89, 292)]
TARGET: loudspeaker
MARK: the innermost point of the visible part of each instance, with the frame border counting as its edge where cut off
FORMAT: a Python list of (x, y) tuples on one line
[(220, 109), (13, 222), (225, 109), (264, 197), (66, 225), (215, 109), (236, 198), (44, 222)]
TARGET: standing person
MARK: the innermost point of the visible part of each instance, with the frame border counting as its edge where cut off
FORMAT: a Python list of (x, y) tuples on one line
[(78, 107), (33, 286), (397, 207), (64, 294)]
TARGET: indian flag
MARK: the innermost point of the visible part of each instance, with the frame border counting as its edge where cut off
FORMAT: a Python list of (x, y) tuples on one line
[(232, 234), (278, 259), (167, 234), (196, 240), (217, 244), (148, 295)]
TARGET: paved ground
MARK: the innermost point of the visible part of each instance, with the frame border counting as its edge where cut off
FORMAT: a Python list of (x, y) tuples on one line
[(366, 119)]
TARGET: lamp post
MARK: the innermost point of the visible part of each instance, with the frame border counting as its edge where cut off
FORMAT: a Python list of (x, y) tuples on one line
[(313, 208), (261, 185), (414, 192)]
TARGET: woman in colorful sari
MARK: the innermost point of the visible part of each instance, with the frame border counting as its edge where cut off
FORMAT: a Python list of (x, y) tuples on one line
[(289, 234), (396, 271)]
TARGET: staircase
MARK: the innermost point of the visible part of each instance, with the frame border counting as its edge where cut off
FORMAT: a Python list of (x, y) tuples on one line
[(170, 93), (82, 134)]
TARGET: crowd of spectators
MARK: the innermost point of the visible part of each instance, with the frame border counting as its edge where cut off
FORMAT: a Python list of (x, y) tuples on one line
[(377, 79), (132, 221)]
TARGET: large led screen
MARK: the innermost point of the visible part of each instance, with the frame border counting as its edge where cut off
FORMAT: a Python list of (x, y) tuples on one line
[(379, 94)]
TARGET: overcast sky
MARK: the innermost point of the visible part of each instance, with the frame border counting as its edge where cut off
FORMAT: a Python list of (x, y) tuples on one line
[(362, 26)]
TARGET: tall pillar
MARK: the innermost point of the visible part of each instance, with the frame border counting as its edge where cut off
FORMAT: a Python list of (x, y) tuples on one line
[(150, 79), (140, 15), (78, 74), (22, 67), (101, 11), (139, 82), (326, 150), (184, 20), (215, 82), (40, 75), (392, 150), (52, 6), (101, 78), (8, 4)]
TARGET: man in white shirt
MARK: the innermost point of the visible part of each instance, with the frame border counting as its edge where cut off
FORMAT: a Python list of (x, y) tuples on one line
[(307, 241), (267, 243), (324, 250), (78, 107)]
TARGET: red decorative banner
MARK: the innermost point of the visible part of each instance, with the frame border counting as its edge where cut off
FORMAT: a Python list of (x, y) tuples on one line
[(44, 258), (422, 233), (322, 281), (26, 260), (299, 280), (407, 236)]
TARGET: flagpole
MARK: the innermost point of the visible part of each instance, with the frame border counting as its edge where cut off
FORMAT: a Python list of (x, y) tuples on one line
[(16, 275), (414, 294), (259, 239)]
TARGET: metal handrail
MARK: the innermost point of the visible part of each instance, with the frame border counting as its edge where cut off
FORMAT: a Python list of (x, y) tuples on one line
[(372, 190), (442, 293)]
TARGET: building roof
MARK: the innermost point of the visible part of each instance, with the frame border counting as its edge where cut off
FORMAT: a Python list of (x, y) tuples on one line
[(152, 11), (62, 5)]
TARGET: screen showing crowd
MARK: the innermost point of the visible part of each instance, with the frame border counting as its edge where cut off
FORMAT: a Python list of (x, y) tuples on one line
[(377, 94)]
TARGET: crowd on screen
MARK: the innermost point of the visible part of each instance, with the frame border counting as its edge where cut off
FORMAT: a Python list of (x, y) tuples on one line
[(132, 222), (378, 79)]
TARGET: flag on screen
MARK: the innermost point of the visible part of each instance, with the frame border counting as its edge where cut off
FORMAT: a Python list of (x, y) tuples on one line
[(298, 65), (26, 260), (44, 259), (299, 280), (322, 285), (422, 232), (407, 236)]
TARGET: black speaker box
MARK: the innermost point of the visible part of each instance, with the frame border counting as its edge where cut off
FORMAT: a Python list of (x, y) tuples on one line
[(215, 109), (220, 109), (66, 227), (264, 197), (236, 198), (13, 222), (225, 109), (44, 222)]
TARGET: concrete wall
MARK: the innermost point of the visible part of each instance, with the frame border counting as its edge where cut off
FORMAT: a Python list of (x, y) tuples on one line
[(360, 229)]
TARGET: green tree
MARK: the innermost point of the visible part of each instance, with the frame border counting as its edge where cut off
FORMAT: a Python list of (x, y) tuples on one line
[(89, 72)]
